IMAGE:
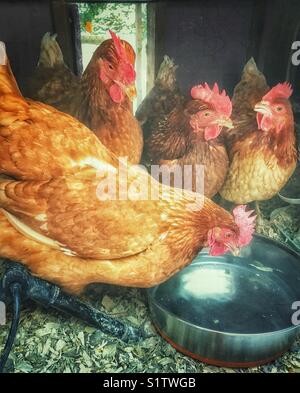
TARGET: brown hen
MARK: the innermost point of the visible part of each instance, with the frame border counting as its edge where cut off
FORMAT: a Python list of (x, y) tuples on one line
[(161, 99), (39, 142), (85, 219), (189, 136), (100, 99), (262, 144)]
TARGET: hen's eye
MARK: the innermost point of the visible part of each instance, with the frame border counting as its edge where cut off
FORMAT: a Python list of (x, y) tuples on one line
[(279, 108), (110, 67), (228, 234), (206, 114)]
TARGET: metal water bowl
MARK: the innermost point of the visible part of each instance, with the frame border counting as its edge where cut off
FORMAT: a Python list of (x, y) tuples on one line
[(232, 311)]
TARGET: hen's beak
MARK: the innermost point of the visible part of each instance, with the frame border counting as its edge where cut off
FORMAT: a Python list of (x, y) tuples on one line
[(235, 250), (129, 90), (263, 108), (224, 122)]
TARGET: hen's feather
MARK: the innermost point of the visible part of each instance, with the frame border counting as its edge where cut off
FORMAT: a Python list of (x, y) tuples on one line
[(174, 142), (39, 142), (162, 98), (86, 98), (56, 220), (247, 93), (261, 162), (204, 167), (51, 78)]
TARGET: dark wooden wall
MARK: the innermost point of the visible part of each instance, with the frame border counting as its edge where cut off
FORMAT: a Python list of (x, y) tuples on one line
[(282, 20), (209, 40), (212, 40), (22, 25)]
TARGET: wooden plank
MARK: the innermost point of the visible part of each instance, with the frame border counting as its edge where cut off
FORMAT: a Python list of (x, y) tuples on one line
[(139, 47), (76, 36), (151, 39), (256, 30), (281, 23), (160, 33), (62, 26)]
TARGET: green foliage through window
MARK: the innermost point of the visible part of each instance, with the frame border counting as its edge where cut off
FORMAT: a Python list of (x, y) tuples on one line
[(115, 16)]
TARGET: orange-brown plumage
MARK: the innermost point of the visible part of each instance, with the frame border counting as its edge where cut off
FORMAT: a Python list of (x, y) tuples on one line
[(155, 264), (58, 221), (189, 135), (161, 99), (132, 243), (90, 98), (262, 145)]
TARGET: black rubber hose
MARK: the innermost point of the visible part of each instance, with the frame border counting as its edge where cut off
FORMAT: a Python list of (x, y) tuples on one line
[(15, 290), (49, 295)]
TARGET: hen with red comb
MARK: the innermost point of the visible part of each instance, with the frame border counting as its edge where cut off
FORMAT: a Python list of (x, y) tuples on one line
[(189, 136), (101, 98), (54, 219), (262, 144)]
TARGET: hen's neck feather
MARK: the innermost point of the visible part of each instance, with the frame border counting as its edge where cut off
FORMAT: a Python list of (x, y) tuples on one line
[(285, 140), (189, 227), (96, 105), (280, 144), (178, 123)]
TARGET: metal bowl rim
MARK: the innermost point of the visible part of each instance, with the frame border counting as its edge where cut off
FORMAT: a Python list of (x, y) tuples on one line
[(292, 201), (279, 244), (165, 310), (288, 329)]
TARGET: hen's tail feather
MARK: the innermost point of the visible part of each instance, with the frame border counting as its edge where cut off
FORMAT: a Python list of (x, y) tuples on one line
[(166, 75), (32, 234), (248, 92), (50, 54), (6, 202), (250, 89), (250, 67)]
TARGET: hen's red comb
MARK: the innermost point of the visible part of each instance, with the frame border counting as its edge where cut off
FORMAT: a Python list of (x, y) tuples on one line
[(127, 71), (219, 100), (282, 90), (118, 45), (246, 224)]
